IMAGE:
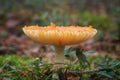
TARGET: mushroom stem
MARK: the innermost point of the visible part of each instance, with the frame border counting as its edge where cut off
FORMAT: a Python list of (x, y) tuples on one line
[(59, 56)]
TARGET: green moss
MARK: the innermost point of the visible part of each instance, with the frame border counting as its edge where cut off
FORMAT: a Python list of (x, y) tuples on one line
[(22, 68)]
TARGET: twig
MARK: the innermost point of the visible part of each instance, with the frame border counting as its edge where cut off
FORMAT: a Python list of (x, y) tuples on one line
[(61, 75)]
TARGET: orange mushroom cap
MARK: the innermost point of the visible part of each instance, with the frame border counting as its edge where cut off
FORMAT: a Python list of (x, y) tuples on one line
[(59, 35)]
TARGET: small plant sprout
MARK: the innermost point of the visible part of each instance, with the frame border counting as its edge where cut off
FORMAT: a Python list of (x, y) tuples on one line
[(59, 36)]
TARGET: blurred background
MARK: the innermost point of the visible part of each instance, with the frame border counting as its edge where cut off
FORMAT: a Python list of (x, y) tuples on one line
[(104, 15)]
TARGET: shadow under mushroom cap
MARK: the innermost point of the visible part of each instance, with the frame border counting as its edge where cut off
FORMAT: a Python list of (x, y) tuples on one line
[(59, 35)]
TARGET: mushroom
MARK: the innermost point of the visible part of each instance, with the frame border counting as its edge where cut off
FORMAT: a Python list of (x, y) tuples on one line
[(59, 36)]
